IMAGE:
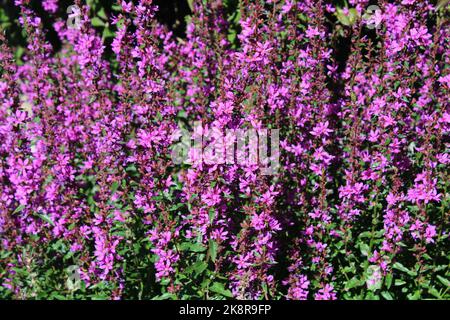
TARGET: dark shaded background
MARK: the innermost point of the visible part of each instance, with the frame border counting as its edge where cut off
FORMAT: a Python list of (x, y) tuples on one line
[(172, 13)]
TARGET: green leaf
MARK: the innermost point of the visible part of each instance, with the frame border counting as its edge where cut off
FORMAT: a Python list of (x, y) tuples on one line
[(19, 209), (402, 268), (211, 214), (213, 250), (231, 36), (116, 7), (388, 280), (442, 4), (101, 13), (57, 296), (165, 296), (372, 296), (434, 292), (364, 249), (114, 187), (399, 282), (46, 218), (347, 19), (414, 296), (195, 247), (444, 281), (387, 295), (107, 33), (366, 234), (99, 297), (97, 22), (353, 283), (191, 5), (199, 267), (219, 288)]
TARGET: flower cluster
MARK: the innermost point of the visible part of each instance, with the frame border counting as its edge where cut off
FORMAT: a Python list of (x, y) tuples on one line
[(87, 133)]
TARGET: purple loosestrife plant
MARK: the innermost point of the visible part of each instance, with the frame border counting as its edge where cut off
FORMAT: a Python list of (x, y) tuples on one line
[(358, 207)]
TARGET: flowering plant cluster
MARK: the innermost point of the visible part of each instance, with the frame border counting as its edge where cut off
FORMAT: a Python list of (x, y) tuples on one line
[(93, 205)]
